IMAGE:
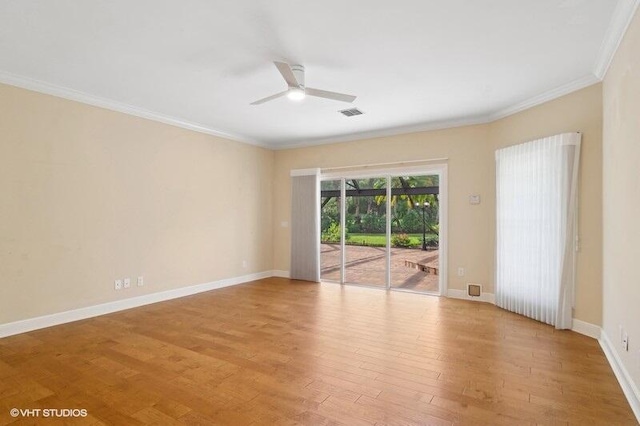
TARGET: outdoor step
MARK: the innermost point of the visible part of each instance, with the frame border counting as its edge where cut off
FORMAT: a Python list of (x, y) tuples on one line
[(421, 267)]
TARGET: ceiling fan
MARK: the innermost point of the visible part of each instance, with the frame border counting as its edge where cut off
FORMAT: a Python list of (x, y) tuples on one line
[(294, 76)]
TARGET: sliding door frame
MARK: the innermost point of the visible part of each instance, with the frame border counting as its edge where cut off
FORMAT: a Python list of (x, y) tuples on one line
[(440, 169)]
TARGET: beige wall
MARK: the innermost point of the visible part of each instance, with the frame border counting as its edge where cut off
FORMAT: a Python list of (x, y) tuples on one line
[(579, 111), (89, 195), (470, 151), (621, 203)]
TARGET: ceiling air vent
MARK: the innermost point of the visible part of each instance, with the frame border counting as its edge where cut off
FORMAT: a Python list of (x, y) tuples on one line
[(351, 112)]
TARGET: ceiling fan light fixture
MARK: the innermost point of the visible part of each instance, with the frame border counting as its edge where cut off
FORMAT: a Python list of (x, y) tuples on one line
[(295, 94), (293, 75)]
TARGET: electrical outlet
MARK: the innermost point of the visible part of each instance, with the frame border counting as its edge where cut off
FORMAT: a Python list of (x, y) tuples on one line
[(625, 341), (244, 264), (118, 284), (140, 281), (127, 282), (461, 272)]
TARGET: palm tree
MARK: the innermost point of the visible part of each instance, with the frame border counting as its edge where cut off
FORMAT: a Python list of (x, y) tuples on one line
[(411, 200)]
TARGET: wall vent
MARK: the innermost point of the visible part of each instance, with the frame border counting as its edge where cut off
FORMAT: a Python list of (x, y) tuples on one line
[(474, 290), (351, 112)]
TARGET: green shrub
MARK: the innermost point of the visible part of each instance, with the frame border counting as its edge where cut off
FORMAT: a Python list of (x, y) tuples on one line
[(373, 223), (401, 240), (332, 235)]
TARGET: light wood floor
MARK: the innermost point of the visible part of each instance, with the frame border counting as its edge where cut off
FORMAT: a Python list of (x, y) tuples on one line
[(284, 352)]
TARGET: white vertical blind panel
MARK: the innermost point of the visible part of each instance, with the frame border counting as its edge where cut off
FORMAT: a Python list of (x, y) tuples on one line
[(305, 227), (536, 191)]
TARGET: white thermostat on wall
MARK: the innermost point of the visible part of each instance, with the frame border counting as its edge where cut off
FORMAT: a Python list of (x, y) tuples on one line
[(474, 199)]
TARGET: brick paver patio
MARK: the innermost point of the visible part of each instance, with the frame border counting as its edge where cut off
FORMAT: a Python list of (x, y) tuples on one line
[(366, 265)]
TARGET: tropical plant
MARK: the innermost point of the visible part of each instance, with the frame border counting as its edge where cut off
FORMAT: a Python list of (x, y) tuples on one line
[(401, 240), (332, 234)]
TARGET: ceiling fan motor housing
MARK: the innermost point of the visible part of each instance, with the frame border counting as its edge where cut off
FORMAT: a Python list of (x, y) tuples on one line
[(298, 71)]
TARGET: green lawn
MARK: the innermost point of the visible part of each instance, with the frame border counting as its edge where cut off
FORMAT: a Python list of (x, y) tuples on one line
[(380, 240)]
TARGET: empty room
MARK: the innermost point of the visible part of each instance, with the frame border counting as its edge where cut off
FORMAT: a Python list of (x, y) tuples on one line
[(319, 213)]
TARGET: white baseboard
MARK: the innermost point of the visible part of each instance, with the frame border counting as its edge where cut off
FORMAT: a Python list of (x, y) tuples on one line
[(281, 274), (629, 388), (578, 326), (45, 321), (586, 328), (462, 294)]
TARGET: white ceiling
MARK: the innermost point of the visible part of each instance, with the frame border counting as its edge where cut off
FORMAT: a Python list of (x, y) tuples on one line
[(414, 64)]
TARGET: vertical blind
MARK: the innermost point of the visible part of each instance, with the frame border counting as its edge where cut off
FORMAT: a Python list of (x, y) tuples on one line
[(536, 227), (305, 225)]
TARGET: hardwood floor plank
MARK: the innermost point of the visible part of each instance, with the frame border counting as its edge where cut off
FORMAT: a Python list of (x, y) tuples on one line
[(401, 413), (419, 403), (284, 352)]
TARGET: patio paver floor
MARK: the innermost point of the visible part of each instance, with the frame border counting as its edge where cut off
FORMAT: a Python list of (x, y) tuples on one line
[(366, 265)]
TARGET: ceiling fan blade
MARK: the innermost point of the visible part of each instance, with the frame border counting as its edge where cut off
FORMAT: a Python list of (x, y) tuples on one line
[(329, 95), (269, 98), (287, 74)]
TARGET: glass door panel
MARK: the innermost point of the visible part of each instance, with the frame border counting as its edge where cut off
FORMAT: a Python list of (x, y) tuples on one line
[(415, 233), (366, 238), (331, 235)]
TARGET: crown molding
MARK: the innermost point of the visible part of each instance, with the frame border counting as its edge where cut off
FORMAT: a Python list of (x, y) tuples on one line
[(394, 131), (547, 96), (74, 95), (620, 21), (86, 98), (550, 95)]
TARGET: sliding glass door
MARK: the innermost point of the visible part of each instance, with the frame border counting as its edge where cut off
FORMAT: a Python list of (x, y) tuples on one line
[(388, 231)]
